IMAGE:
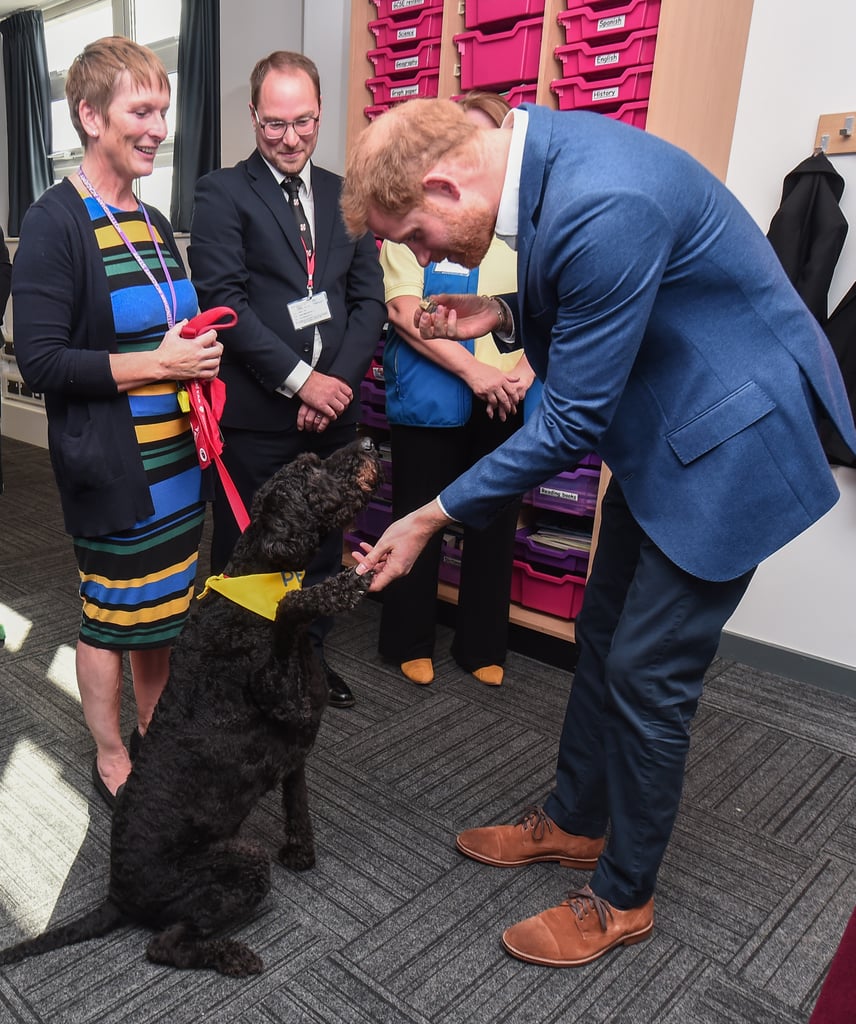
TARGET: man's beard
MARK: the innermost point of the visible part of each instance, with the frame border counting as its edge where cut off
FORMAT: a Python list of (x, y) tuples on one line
[(469, 234)]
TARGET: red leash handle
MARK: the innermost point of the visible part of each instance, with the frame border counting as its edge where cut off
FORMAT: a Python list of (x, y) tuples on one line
[(219, 319), (204, 418)]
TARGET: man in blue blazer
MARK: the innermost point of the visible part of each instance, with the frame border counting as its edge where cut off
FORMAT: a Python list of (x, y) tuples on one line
[(670, 342), (309, 299)]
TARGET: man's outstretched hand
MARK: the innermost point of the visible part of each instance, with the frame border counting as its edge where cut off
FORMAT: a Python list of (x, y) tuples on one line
[(401, 544)]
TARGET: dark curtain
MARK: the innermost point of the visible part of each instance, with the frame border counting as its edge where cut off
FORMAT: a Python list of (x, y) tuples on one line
[(197, 124), (28, 111)]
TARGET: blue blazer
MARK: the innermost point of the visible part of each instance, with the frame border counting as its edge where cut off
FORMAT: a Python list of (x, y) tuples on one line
[(245, 252), (670, 342)]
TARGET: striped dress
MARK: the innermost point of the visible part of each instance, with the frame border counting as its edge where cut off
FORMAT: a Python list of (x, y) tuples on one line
[(136, 586)]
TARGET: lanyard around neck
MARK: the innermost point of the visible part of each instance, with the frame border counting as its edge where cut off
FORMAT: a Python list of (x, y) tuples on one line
[(170, 308)]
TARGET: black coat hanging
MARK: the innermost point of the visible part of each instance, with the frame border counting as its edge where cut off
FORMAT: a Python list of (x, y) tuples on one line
[(808, 230)]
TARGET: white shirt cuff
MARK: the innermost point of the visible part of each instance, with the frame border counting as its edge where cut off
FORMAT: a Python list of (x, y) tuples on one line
[(295, 380)]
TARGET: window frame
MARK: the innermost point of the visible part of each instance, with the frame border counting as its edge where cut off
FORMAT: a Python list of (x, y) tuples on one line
[(66, 161)]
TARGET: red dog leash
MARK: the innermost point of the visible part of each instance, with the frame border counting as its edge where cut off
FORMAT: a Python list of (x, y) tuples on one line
[(205, 402)]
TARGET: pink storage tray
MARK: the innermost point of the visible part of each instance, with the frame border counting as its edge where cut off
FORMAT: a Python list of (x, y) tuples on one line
[(605, 58), (408, 31), (630, 113), (388, 61), (501, 58), (373, 405), (403, 8), (582, 93), (372, 393), (597, 22), (521, 94), (561, 596), (373, 519), (539, 555), (375, 111), (352, 539), (574, 492), (371, 417), (493, 13), (422, 85)]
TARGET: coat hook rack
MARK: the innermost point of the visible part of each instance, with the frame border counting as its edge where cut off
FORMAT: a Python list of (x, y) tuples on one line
[(835, 133)]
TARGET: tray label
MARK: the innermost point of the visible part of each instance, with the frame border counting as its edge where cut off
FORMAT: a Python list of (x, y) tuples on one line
[(610, 24)]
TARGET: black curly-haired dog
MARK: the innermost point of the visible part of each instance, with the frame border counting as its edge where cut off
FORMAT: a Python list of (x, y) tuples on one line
[(238, 716)]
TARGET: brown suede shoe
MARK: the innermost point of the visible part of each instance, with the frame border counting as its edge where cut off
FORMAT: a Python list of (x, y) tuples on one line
[(534, 838), (578, 931)]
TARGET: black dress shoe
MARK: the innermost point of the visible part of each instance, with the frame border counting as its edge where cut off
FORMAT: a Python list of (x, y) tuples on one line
[(340, 692), (101, 787)]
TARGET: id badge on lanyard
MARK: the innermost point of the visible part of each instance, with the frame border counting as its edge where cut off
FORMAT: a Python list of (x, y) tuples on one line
[(313, 308)]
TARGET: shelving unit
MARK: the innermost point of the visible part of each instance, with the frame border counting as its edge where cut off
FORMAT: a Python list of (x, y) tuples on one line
[(698, 65)]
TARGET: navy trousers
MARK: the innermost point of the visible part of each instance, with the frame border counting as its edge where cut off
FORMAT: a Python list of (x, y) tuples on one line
[(646, 634)]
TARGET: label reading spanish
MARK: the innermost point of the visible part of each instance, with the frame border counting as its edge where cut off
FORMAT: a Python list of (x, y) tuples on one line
[(609, 24)]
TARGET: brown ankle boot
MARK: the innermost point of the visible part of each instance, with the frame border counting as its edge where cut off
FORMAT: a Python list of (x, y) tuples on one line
[(534, 838)]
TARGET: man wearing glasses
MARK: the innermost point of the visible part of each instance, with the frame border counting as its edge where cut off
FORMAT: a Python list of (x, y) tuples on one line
[(267, 239)]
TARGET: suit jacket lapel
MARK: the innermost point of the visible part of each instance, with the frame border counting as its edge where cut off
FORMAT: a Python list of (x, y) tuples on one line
[(326, 196), (532, 173), (266, 187)]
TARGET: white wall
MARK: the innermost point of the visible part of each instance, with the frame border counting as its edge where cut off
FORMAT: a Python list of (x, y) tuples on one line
[(799, 65), (250, 31)]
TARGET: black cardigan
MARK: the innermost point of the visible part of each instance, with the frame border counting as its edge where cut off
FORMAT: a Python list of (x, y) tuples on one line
[(64, 333)]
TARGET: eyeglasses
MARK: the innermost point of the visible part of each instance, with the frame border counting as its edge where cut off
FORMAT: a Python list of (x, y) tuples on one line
[(273, 131)]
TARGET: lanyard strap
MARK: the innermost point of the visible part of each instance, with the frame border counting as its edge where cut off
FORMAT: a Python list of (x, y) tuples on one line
[(170, 310), (310, 268)]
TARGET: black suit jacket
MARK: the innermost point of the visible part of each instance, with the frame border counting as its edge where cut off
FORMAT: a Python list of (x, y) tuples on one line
[(245, 252)]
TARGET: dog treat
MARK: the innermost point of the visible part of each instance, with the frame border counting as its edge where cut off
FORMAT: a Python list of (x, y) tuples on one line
[(428, 305)]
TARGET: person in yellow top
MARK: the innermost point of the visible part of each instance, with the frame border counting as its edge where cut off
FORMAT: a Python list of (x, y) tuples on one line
[(448, 404)]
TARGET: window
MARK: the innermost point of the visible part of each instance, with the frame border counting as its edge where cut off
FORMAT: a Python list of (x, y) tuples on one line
[(69, 26)]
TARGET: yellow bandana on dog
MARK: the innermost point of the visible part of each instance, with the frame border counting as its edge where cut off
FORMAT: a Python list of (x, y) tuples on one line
[(259, 593)]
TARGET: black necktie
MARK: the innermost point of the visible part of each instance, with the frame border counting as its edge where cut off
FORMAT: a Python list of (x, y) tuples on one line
[(291, 185)]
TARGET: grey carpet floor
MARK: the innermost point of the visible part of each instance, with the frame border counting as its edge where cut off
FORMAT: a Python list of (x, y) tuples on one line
[(392, 926)]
